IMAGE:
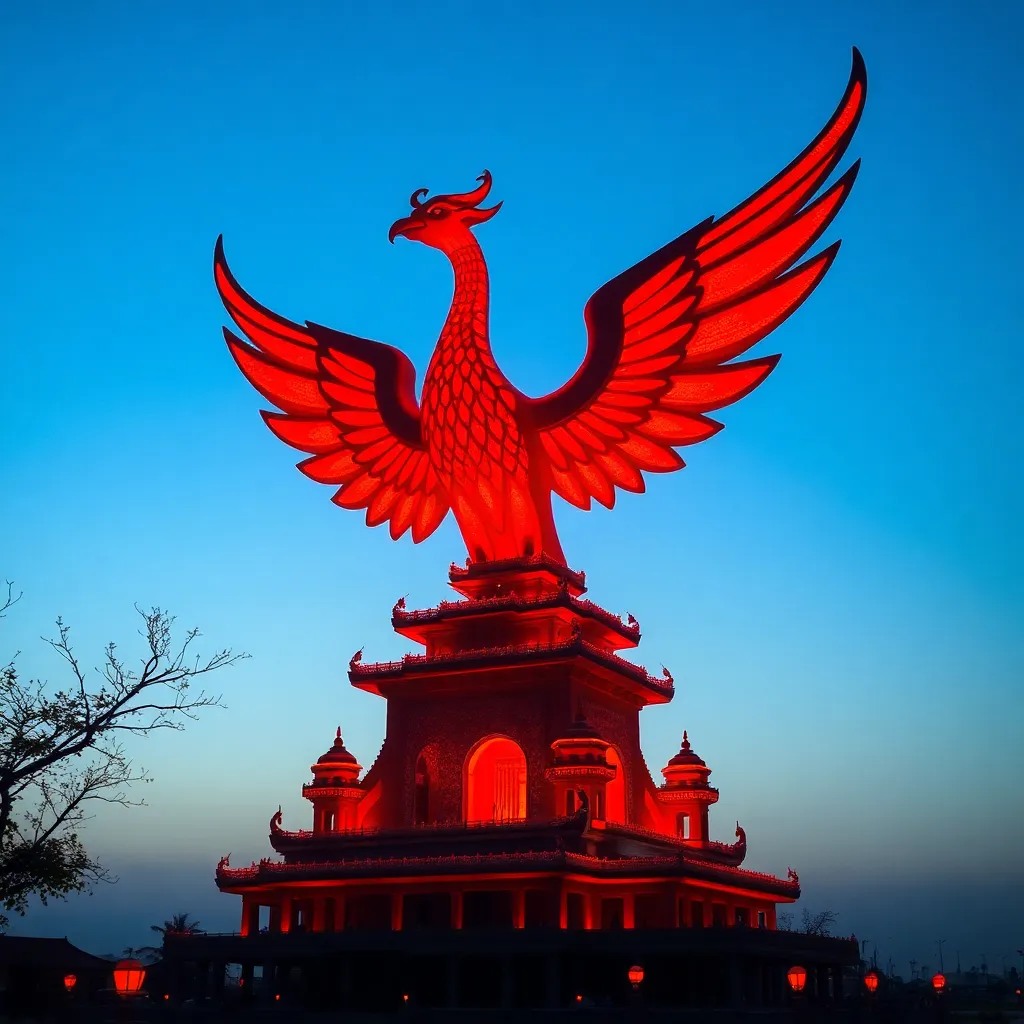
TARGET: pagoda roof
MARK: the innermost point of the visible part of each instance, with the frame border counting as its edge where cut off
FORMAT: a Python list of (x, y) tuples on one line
[(433, 838), (405, 622), (480, 577), (559, 861), (366, 676)]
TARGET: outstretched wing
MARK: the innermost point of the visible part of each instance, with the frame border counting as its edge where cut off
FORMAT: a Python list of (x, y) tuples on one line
[(660, 335), (348, 402)]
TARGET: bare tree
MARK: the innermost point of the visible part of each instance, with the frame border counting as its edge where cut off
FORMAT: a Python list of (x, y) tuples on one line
[(818, 924), (61, 749)]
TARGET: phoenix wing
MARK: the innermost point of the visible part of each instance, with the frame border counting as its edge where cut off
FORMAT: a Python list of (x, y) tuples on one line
[(661, 334), (348, 402)]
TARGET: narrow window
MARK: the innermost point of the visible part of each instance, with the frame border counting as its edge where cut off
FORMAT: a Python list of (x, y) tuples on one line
[(422, 809), (683, 825)]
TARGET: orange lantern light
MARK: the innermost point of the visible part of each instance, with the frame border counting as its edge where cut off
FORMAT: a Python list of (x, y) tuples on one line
[(938, 982), (128, 977), (70, 981), (635, 975), (871, 981), (579, 998), (797, 978)]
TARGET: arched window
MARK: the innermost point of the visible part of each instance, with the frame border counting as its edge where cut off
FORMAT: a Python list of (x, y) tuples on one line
[(495, 781), (615, 791), (421, 813)]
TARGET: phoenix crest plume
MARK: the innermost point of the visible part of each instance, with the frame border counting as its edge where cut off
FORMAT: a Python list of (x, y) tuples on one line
[(661, 337)]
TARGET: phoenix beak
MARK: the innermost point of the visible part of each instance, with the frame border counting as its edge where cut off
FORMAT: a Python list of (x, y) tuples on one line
[(400, 227)]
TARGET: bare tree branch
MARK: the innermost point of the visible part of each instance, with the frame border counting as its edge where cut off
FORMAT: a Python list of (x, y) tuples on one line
[(60, 750)]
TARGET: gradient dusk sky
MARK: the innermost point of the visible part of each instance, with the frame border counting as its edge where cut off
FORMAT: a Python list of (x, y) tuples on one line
[(835, 580)]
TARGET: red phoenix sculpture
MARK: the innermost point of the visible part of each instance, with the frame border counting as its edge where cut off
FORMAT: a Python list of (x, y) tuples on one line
[(660, 339)]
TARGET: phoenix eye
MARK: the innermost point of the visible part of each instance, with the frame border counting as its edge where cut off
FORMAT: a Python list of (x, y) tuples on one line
[(438, 211)]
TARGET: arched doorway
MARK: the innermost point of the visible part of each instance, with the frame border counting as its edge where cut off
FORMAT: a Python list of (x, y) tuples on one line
[(615, 791), (494, 786)]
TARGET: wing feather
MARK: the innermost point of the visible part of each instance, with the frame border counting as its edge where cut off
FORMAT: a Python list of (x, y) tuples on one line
[(661, 334), (346, 401)]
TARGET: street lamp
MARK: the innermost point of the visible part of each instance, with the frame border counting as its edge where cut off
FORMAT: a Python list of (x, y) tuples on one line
[(128, 977), (69, 983), (871, 981), (797, 978), (938, 982), (636, 976)]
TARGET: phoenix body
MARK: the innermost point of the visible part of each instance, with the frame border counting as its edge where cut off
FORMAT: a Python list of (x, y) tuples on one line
[(661, 340)]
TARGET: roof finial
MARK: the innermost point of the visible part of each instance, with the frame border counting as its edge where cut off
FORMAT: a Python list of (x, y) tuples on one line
[(337, 735)]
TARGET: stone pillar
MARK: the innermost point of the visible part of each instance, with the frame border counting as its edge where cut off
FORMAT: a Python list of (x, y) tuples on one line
[(589, 901), (318, 913), (285, 914), (552, 980), (246, 980), (518, 908), (734, 982), (837, 983), (506, 995), (396, 911), (218, 981), (457, 909), (628, 910), (339, 910), (563, 908), (452, 974)]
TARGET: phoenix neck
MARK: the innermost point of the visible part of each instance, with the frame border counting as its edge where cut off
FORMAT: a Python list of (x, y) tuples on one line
[(467, 318)]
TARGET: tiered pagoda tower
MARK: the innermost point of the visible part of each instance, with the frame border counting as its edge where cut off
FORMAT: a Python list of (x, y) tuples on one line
[(511, 790)]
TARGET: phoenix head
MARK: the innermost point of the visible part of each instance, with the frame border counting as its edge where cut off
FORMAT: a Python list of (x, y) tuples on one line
[(444, 221)]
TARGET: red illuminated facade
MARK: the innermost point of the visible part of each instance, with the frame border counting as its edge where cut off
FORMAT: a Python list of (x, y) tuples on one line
[(510, 817), (511, 790)]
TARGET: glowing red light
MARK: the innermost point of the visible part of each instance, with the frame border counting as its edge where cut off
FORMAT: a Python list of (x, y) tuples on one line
[(579, 998), (938, 982), (166, 996), (661, 337), (405, 997), (277, 997), (635, 975), (128, 977), (797, 978), (70, 980), (871, 981)]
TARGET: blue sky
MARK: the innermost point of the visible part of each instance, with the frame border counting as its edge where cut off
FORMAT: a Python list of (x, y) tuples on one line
[(835, 580)]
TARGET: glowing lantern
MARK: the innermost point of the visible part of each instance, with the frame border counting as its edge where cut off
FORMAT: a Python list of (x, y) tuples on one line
[(871, 981), (938, 982), (635, 975), (797, 978), (128, 977), (69, 982), (579, 998)]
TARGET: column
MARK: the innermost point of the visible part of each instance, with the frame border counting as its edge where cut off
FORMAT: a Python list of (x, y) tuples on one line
[(563, 908), (552, 980), (505, 996), (286, 914), (396, 911), (589, 899), (246, 907), (457, 910), (246, 980), (518, 908), (339, 910), (318, 913), (452, 975), (628, 910)]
